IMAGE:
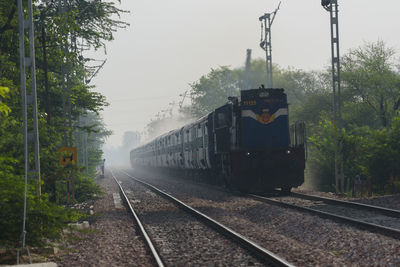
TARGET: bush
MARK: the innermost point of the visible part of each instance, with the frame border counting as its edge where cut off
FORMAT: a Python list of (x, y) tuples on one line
[(372, 154), (43, 218)]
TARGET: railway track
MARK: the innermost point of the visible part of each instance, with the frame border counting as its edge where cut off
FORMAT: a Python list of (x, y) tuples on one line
[(143, 232), (371, 218), (377, 209), (261, 253)]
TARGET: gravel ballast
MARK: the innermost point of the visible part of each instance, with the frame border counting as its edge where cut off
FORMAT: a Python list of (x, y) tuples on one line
[(180, 238), (301, 238), (112, 240)]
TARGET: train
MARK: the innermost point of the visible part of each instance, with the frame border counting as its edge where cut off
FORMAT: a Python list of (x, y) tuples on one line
[(247, 144)]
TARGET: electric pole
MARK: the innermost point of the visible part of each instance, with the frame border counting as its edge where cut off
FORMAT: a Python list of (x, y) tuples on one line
[(28, 100), (332, 7), (266, 22)]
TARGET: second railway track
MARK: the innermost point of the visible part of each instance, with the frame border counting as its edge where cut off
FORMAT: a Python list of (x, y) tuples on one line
[(182, 240), (372, 218), (382, 210)]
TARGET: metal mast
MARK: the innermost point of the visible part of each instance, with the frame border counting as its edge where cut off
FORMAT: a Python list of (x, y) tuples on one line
[(266, 22), (247, 69), (29, 99), (332, 7)]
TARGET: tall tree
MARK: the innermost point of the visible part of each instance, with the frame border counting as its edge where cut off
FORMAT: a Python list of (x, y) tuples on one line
[(370, 76), (212, 90)]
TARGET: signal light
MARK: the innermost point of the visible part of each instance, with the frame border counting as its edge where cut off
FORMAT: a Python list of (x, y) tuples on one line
[(325, 3)]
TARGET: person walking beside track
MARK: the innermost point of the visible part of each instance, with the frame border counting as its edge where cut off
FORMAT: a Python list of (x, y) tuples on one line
[(102, 167)]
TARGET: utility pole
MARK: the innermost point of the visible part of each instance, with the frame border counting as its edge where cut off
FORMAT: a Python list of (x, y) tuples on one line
[(183, 99), (66, 100), (332, 7), (247, 69), (28, 100), (266, 22)]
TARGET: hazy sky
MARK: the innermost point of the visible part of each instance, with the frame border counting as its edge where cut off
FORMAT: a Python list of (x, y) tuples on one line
[(173, 43)]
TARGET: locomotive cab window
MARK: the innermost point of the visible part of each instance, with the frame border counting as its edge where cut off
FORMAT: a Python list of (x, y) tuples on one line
[(223, 117)]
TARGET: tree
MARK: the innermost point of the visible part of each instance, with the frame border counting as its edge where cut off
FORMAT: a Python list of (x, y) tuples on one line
[(57, 39), (371, 81), (212, 90)]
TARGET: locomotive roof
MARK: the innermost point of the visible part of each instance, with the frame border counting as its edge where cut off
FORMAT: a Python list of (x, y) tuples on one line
[(255, 93)]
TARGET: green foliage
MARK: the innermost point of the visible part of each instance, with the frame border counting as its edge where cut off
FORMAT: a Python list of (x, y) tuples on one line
[(370, 96), (4, 109), (371, 80), (85, 188), (44, 219), (212, 90), (371, 153), (57, 38), (321, 151)]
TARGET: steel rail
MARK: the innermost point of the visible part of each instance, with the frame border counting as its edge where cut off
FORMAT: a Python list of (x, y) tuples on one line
[(388, 231), (382, 210), (261, 252), (149, 243)]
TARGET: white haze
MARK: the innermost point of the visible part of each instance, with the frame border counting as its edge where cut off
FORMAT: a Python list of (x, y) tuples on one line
[(171, 44), (168, 124), (119, 156)]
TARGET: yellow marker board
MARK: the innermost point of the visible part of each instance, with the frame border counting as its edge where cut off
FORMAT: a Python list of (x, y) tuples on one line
[(68, 155)]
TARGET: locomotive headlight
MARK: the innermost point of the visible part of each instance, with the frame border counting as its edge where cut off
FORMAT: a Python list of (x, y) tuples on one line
[(248, 154), (288, 151)]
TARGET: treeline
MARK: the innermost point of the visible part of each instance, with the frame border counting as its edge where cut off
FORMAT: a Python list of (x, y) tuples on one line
[(370, 102), (68, 111)]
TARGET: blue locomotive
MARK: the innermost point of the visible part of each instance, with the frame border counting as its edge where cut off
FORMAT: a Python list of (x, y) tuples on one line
[(247, 143)]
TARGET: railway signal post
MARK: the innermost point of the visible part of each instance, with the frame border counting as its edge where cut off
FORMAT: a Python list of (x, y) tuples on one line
[(266, 22), (332, 7)]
